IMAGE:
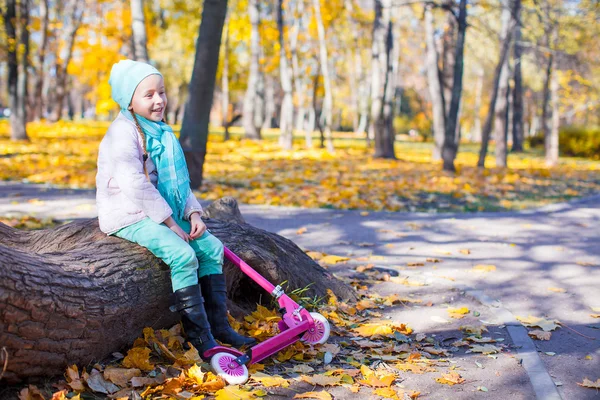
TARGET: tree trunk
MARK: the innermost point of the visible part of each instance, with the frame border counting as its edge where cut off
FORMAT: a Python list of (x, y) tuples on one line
[(255, 95), (39, 76), (73, 295), (487, 128), (382, 81), (286, 121), (327, 112), (194, 129), (501, 109), (476, 135), (73, 16), (551, 141), (225, 86), (299, 82), (435, 87), (448, 42), (517, 120), (452, 136), (138, 30), (18, 117)]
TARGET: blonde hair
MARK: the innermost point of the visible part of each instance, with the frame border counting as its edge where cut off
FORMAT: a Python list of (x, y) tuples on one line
[(141, 131)]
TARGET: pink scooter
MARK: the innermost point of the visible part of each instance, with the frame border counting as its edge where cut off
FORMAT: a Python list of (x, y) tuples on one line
[(296, 324)]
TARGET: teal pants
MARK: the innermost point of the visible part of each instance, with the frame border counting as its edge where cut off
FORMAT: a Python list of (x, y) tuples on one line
[(188, 261)]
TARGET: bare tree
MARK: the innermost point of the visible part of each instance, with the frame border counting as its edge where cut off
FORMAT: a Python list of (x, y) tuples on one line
[(501, 109), (38, 85), (435, 87), (452, 136), (72, 16), (138, 28), (225, 85), (551, 140), (17, 66), (194, 130), (286, 124), (254, 99), (299, 81), (326, 113), (382, 80), (476, 134), (517, 120), (487, 128)]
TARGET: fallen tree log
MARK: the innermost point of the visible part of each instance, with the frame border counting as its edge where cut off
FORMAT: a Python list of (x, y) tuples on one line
[(73, 295)]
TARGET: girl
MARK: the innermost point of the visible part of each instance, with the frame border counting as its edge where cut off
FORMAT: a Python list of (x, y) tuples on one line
[(143, 195)]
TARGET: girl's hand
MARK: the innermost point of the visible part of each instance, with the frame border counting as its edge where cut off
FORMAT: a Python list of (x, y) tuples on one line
[(197, 226), (170, 222), (180, 232)]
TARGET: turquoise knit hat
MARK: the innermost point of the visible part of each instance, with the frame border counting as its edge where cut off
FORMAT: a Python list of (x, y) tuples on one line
[(125, 76)]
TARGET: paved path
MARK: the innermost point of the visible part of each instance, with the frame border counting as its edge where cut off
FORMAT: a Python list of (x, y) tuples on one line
[(537, 255)]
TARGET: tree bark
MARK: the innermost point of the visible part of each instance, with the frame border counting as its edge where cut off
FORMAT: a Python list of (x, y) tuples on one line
[(73, 295), (476, 135), (551, 140), (18, 116), (225, 86), (487, 128), (382, 80), (435, 87), (194, 129), (255, 93), (501, 109), (73, 16), (138, 29), (299, 81), (517, 124), (327, 111), (286, 121), (452, 135), (38, 85)]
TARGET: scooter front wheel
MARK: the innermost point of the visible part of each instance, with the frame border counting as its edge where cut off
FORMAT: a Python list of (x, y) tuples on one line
[(224, 366), (320, 333)]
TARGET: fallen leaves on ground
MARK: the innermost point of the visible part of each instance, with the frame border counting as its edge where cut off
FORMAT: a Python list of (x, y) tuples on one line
[(260, 172), (451, 378), (545, 324), (540, 335), (458, 313), (484, 268), (590, 384)]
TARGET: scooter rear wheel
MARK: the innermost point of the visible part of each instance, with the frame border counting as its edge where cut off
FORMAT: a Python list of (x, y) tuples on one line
[(221, 364), (320, 333)]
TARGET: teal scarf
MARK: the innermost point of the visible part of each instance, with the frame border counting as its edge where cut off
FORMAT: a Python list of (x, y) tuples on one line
[(167, 155)]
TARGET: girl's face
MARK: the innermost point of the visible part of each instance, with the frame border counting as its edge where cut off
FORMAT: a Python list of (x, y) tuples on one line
[(149, 99)]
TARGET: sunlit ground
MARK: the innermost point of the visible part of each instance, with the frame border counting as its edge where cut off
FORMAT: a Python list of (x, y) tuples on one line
[(262, 173)]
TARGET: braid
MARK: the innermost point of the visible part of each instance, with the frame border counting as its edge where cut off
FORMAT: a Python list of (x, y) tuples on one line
[(141, 131)]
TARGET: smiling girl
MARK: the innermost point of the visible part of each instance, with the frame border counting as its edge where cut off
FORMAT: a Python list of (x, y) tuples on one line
[(143, 195)]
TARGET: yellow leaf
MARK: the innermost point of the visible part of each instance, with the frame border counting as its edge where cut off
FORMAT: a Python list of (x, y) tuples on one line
[(485, 349), (542, 323), (590, 384), (595, 315), (315, 255), (270, 381), (484, 268), (387, 393), (473, 330), (458, 313), (322, 395), (301, 230), (196, 374), (465, 251), (540, 335), (331, 259), (121, 376), (138, 357), (322, 380), (233, 393), (364, 213), (451, 379), (557, 290), (364, 304)]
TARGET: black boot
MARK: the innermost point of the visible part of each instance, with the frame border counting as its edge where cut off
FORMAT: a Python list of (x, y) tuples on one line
[(215, 293), (190, 305)]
